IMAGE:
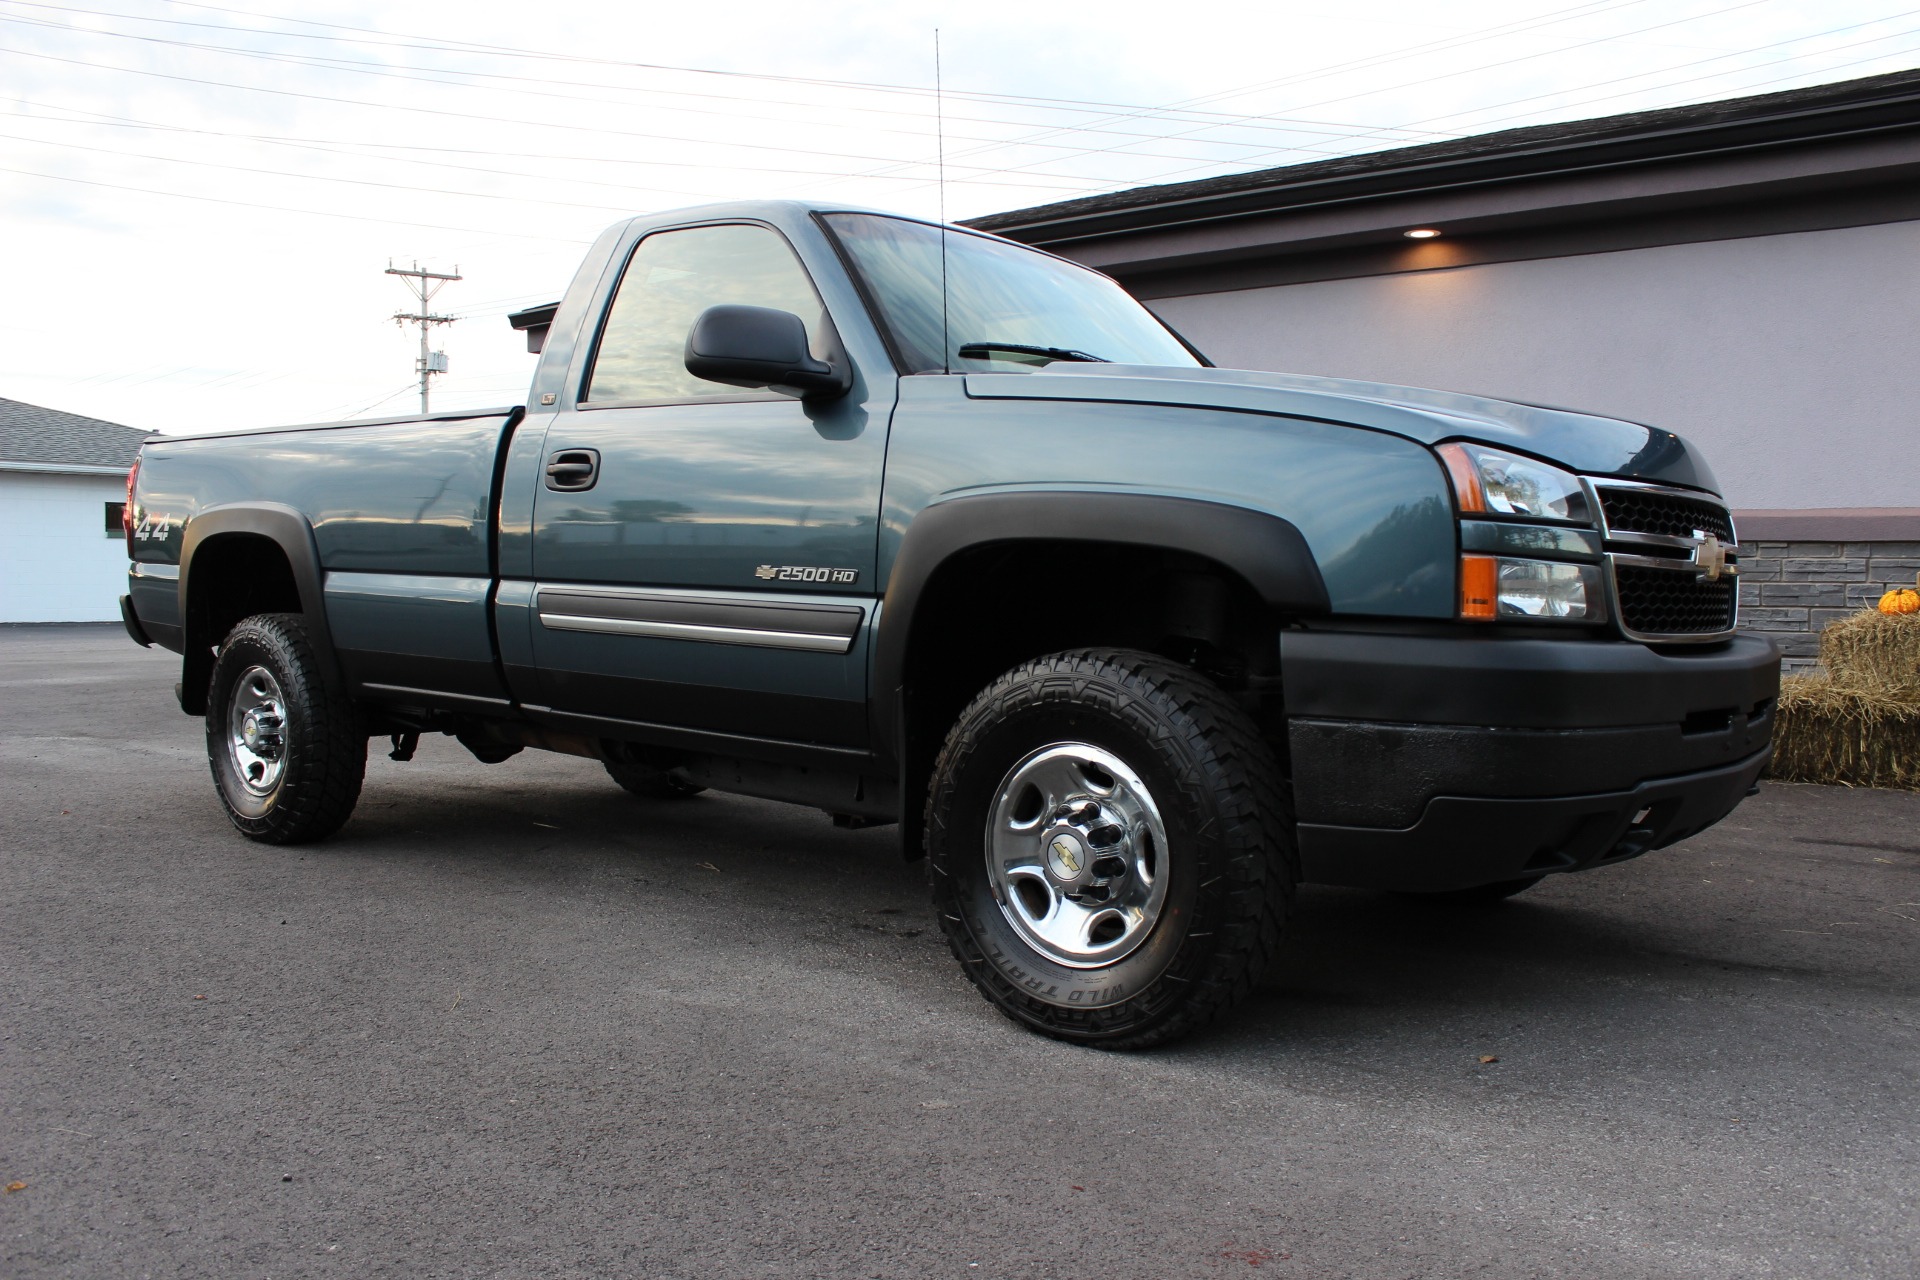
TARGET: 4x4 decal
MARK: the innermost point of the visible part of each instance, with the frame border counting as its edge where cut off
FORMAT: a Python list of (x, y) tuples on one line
[(157, 528)]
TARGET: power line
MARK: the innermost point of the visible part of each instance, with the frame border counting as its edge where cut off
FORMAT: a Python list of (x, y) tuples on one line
[(458, 115), (473, 47), (429, 75), (318, 177), (1034, 140), (277, 208), (335, 147), (1738, 53), (434, 76), (1823, 73), (421, 43), (1129, 149), (1518, 27), (1512, 28), (344, 412), (497, 50), (1449, 75), (1892, 35), (1743, 53)]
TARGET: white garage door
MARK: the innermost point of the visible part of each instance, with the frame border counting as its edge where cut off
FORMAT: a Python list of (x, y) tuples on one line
[(57, 563)]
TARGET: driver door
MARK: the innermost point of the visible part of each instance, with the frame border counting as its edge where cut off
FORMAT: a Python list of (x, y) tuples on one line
[(704, 555)]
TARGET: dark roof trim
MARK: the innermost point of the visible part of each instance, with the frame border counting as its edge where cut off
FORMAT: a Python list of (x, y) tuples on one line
[(1830, 524), (1854, 108), (1376, 247)]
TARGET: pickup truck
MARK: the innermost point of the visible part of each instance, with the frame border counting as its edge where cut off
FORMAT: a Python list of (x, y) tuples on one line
[(913, 524)]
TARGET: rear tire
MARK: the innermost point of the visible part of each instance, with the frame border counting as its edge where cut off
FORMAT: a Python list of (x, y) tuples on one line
[(649, 783), (1110, 848), (288, 752)]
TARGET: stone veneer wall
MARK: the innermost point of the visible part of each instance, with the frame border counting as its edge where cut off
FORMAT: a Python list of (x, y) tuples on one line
[(1792, 590)]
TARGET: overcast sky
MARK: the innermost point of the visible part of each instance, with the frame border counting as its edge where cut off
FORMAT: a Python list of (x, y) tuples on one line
[(198, 200)]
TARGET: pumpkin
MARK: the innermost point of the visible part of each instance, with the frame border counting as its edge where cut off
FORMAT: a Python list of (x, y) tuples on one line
[(1906, 600)]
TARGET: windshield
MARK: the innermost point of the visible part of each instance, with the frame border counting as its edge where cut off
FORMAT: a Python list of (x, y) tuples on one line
[(1011, 308)]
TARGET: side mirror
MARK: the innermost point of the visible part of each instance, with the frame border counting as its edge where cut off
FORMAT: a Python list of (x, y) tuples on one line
[(760, 347)]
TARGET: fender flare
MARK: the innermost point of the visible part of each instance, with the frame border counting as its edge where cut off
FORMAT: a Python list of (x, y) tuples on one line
[(287, 529), (1264, 549)]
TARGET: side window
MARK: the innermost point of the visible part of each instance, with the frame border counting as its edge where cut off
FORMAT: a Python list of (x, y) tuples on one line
[(671, 278)]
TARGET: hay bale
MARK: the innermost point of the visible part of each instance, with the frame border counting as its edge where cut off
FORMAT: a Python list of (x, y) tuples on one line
[(1826, 730), (1876, 652)]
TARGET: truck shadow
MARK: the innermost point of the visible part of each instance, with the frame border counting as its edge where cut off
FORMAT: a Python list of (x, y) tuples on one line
[(1356, 963), (559, 822), (1367, 963)]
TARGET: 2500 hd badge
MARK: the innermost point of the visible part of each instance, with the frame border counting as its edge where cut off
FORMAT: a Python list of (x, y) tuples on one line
[(806, 573)]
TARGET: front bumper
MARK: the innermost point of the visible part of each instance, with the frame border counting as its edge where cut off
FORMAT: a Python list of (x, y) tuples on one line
[(1435, 762)]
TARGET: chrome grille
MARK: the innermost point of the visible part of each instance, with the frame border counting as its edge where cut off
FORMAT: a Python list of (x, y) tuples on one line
[(1658, 511), (1660, 588), (1664, 602)]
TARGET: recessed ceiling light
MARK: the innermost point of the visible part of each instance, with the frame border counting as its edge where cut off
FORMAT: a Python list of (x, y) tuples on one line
[(1421, 233)]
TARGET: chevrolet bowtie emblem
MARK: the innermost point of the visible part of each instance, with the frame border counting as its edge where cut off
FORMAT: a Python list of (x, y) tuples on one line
[(1709, 555), (1063, 850)]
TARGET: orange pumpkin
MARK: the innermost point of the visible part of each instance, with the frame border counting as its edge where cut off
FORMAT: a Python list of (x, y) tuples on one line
[(1906, 600)]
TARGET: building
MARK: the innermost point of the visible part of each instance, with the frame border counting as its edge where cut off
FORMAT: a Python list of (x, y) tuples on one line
[(1746, 273), (63, 481)]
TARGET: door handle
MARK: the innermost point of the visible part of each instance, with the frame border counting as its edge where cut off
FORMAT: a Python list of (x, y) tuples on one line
[(571, 470)]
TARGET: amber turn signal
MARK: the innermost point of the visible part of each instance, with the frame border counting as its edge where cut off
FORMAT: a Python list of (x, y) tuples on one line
[(1479, 586), (1468, 489)]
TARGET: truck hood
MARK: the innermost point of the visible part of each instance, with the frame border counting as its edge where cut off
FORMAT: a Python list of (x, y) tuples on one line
[(1582, 442)]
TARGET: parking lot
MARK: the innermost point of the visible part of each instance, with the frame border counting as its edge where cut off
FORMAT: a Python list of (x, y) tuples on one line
[(513, 1022)]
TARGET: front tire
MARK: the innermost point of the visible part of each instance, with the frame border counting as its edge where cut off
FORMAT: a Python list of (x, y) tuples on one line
[(288, 753), (1110, 848)]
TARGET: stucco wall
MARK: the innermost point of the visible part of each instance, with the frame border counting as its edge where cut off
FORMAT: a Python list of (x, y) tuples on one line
[(1792, 361), (56, 562)]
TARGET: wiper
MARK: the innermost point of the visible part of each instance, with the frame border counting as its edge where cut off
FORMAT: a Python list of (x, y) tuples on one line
[(980, 350)]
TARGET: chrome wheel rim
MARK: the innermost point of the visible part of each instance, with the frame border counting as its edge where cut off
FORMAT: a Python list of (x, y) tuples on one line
[(257, 732), (1077, 854)]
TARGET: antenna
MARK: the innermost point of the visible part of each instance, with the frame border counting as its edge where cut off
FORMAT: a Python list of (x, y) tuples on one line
[(940, 142)]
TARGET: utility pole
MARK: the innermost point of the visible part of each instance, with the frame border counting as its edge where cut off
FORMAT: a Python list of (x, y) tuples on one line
[(424, 284)]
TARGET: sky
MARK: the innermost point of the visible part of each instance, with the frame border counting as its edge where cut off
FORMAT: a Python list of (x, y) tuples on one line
[(198, 201)]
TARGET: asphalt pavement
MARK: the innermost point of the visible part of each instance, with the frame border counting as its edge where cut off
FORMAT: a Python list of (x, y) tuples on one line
[(512, 1022)]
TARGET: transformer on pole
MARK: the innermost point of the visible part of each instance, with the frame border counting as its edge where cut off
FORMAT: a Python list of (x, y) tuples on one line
[(424, 285)]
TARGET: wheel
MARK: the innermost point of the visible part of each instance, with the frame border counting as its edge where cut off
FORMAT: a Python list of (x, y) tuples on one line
[(649, 783), (288, 752), (1110, 848), (1480, 895)]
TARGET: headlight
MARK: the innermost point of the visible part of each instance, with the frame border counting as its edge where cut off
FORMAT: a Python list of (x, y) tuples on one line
[(1493, 482), (1497, 587)]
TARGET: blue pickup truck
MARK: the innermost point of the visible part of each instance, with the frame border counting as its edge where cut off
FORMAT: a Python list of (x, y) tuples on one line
[(913, 524)]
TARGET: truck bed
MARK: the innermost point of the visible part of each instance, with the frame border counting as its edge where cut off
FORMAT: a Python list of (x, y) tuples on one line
[(399, 512)]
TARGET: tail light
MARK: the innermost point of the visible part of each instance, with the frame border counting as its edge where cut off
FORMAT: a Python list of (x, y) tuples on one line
[(126, 509)]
